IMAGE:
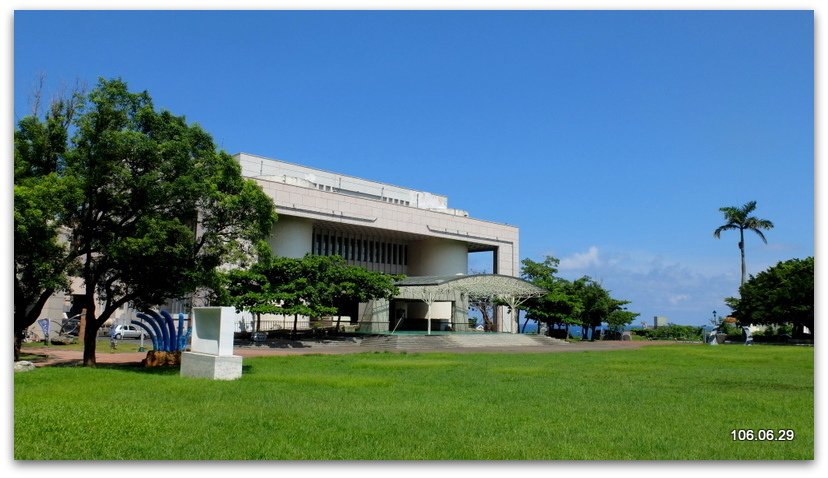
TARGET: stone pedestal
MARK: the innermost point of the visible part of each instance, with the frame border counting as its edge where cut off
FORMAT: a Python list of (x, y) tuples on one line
[(215, 367), (211, 352)]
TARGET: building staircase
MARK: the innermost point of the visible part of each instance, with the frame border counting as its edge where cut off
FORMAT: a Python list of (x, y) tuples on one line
[(414, 342)]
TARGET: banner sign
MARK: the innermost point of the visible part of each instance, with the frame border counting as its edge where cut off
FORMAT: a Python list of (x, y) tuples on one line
[(44, 325)]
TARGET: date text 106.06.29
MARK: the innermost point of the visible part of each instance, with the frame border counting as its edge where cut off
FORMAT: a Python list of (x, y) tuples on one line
[(762, 435)]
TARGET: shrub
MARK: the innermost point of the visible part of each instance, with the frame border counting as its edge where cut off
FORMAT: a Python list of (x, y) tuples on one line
[(671, 332)]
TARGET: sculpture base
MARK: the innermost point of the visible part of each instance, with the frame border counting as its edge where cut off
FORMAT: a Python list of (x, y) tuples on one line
[(215, 367)]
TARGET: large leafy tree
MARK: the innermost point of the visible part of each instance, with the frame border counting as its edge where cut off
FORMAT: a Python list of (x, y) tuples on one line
[(151, 207), (581, 302), (560, 305), (313, 286), (739, 218), (300, 287), (350, 285), (597, 304), (41, 258), (620, 317), (782, 294)]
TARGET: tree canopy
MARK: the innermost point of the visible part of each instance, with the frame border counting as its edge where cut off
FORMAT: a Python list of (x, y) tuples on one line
[(581, 302), (739, 218), (313, 286), (560, 305), (781, 294), (42, 262), (599, 306), (148, 207)]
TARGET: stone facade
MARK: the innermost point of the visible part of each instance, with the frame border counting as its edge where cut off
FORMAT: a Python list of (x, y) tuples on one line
[(380, 227)]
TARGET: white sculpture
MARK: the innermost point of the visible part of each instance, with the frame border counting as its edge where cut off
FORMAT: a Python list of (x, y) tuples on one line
[(748, 336), (211, 352), (711, 337)]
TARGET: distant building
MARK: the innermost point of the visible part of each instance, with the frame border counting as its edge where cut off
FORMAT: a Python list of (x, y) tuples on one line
[(659, 321)]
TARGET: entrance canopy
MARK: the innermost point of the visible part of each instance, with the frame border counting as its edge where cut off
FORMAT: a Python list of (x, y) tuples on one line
[(460, 289), (476, 285)]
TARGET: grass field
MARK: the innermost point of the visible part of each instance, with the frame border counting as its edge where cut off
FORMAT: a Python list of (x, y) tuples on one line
[(676, 402)]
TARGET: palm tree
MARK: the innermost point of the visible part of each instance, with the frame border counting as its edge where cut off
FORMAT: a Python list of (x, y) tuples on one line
[(739, 218)]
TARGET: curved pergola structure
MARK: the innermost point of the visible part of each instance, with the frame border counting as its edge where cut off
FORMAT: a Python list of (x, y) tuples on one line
[(477, 285), (460, 288)]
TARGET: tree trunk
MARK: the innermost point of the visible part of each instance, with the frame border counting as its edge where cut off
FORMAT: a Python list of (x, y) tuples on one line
[(295, 325), (488, 325), (742, 251), (18, 342), (26, 316), (93, 325), (90, 334), (19, 332)]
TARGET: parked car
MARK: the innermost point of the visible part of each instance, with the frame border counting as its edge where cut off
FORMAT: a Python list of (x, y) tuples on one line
[(128, 332)]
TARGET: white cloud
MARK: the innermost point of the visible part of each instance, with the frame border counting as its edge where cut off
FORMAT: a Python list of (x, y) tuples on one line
[(678, 298), (581, 260), (686, 291)]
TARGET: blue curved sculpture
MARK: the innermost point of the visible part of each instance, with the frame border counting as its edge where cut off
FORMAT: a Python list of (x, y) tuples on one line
[(163, 332), (153, 330), (170, 329), (144, 326), (183, 340), (180, 328), (159, 331)]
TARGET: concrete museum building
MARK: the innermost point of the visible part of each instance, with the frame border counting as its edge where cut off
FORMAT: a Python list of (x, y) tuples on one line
[(390, 229)]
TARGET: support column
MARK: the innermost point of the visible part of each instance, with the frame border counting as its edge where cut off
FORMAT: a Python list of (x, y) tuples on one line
[(505, 321), (428, 316), (437, 257), (377, 312), (460, 312), (291, 237)]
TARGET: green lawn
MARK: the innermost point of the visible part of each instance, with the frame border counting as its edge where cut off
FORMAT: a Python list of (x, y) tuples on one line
[(660, 402)]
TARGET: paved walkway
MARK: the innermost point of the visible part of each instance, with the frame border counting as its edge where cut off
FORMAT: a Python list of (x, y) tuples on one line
[(75, 357)]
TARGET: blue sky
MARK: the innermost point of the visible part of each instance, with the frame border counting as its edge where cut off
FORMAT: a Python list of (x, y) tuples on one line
[(610, 138)]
